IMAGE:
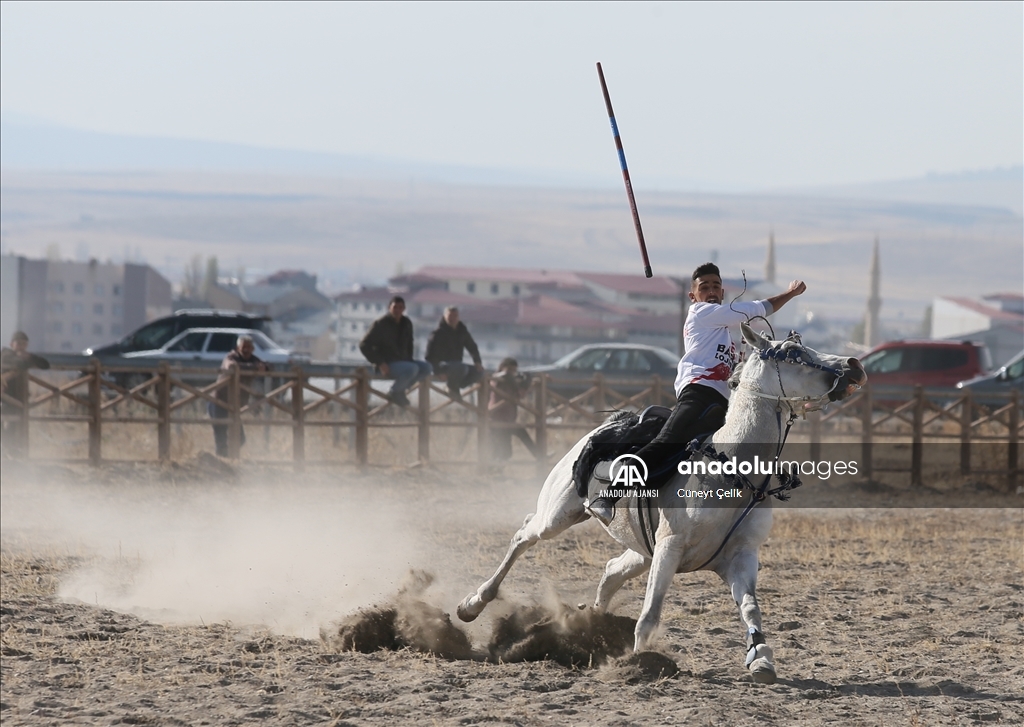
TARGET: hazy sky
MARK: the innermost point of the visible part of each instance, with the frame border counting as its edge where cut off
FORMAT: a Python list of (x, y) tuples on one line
[(737, 95)]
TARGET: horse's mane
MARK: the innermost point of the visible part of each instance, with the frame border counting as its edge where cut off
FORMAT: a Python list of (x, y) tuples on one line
[(737, 374), (618, 415)]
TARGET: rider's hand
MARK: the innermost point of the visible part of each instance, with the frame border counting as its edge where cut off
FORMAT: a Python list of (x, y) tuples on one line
[(797, 287), (384, 369)]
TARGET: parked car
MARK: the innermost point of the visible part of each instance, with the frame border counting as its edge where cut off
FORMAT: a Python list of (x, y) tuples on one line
[(156, 334), (211, 345), (574, 373), (994, 389), (925, 363)]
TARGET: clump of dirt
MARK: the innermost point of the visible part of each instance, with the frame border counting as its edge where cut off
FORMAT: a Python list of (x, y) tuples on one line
[(410, 623), (369, 630), (645, 666), (430, 629), (567, 636)]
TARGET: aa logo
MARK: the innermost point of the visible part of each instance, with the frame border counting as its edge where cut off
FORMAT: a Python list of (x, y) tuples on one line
[(628, 470)]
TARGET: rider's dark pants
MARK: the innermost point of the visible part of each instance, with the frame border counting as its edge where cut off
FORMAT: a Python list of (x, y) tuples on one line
[(699, 410)]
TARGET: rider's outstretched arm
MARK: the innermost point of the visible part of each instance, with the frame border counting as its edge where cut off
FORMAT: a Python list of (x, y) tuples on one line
[(796, 288)]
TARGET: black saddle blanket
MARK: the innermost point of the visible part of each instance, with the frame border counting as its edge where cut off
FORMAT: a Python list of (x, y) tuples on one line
[(625, 434)]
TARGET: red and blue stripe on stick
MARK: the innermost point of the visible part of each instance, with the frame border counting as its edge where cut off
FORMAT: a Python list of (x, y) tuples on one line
[(625, 173)]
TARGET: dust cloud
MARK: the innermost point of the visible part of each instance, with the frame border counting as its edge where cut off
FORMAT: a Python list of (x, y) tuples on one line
[(285, 551)]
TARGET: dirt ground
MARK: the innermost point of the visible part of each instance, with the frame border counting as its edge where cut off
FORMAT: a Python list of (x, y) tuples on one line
[(204, 594)]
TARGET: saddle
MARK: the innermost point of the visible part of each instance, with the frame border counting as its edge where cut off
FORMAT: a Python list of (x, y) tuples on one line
[(627, 433)]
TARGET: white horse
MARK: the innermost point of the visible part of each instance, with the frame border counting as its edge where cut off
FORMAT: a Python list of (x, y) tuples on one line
[(781, 381)]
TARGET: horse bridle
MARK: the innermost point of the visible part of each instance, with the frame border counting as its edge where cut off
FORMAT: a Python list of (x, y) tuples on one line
[(792, 355), (797, 355)]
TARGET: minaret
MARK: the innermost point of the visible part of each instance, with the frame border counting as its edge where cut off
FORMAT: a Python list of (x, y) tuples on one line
[(871, 327), (769, 263)]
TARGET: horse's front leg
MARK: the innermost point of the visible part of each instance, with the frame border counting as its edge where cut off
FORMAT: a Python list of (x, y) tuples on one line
[(663, 569), (740, 573), (541, 526)]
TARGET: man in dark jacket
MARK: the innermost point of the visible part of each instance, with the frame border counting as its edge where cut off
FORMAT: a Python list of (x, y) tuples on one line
[(388, 346), (243, 358), (508, 387), (445, 348), (15, 363)]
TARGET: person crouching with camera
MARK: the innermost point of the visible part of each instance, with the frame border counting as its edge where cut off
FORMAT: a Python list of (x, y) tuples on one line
[(507, 388)]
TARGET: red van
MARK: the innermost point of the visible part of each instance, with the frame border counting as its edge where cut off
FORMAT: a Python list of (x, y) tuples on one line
[(928, 363)]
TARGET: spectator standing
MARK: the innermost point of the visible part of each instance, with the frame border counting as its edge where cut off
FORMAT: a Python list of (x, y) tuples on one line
[(14, 365), (244, 359), (388, 346), (507, 388), (445, 349)]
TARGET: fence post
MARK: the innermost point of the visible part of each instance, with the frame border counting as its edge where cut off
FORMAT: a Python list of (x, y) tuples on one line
[(95, 412), (235, 425), (163, 413), (268, 411), (541, 420), (656, 390), (917, 445), (298, 420), (423, 438), (1013, 441), (966, 418), (815, 417), (362, 415), (483, 420), (866, 432), (599, 399), (332, 408), (21, 445)]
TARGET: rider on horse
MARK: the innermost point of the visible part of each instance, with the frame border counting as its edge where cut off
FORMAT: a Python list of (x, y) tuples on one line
[(701, 386)]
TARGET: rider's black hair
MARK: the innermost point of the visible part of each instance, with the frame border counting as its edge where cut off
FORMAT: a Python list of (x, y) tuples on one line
[(706, 269)]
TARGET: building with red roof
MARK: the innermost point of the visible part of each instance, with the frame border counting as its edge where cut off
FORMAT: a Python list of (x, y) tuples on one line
[(995, 320), (534, 315)]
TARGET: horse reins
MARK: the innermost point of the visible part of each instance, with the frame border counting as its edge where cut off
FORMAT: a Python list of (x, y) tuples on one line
[(787, 481)]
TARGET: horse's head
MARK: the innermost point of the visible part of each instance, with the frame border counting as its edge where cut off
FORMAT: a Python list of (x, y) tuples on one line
[(790, 371)]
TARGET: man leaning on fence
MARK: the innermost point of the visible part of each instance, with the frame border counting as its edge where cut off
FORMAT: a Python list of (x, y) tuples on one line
[(507, 388), (14, 365), (445, 348), (244, 359)]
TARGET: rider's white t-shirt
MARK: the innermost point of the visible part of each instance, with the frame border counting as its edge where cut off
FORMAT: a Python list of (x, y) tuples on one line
[(710, 353)]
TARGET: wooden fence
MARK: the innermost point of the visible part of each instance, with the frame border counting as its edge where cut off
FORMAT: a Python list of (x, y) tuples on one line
[(166, 398)]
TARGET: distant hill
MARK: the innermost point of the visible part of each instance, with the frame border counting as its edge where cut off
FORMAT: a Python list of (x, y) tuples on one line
[(44, 147), (1002, 187), (34, 146)]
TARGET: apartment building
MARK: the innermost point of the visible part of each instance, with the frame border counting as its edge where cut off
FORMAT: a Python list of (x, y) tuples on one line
[(356, 312), (70, 306)]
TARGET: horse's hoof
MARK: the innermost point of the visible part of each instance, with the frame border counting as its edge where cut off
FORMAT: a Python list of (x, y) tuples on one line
[(763, 671), (465, 610)]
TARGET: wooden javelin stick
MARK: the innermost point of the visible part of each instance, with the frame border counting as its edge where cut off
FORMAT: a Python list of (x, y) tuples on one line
[(625, 173)]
